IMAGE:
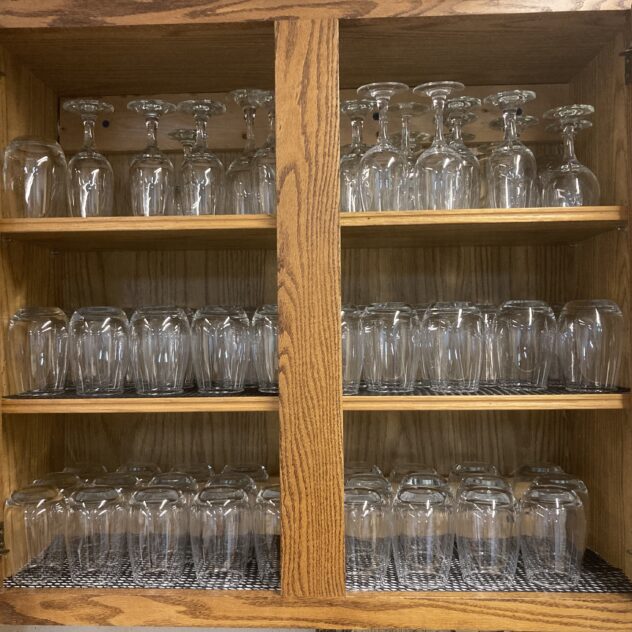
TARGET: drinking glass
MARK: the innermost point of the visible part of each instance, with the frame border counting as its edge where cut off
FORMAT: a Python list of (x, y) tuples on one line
[(402, 468), (525, 337), (33, 529), (423, 537), (441, 170), (221, 348), (525, 475), (421, 376), (239, 481), (459, 113), (407, 111), (124, 484), (266, 330), (487, 537), (357, 111), (201, 473), (566, 481), (383, 166), (360, 467), (369, 480), (452, 345), (160, 343), (489, 368), (65, 482), (34, 174), (552, 536), (90, 174), (352, 349), (95, 533), (570, 183), (143, 470), (151, 172), (203, 175), (99, 344), (256, 471), (220, 529), (367, 538), (241, 182), (186, 137), (38, 349), (390, 354), (591, 341), (427, 478), (267, 533), (86, 470), (512, 170), (157, 534), (487, 481), (469, 468), (178, 480), (264, 163)]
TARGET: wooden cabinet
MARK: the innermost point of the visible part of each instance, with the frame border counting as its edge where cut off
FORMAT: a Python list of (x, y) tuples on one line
[(310, 259)]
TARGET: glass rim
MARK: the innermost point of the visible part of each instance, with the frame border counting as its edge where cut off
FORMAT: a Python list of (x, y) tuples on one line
[(362, 495), (597, 303), (95, 494), (423, 494), (153, 494), (35, 494)]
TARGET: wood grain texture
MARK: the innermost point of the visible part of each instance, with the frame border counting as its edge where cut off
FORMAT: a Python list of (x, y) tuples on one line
[(309, 307), (520, 612), (51, 13)]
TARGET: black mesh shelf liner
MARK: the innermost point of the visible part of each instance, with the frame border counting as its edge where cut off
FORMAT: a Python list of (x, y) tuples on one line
[(598, 577), (253, 392)]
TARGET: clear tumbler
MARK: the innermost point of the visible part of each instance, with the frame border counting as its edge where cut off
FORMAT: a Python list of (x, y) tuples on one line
[(221, 349), (38, 350), (352, 349), (160, 342), (99, 350), (267, 532), (266, 330), (591, 341)]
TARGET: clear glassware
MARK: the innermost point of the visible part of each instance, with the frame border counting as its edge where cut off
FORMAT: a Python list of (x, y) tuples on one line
[(570, 183), (186, 137), (523, 477), (250, 380), (143, 470), (452, 346), (525, 336), (38, 350), (383, 166), (124, 484), (356, 110), (256, 471), (459, 113), (241, 181), (470, 468), (33, 529), (591, 341), (65, 482), (34, 176), (489, 368), (361, 467), (266, 329), (95, 533), (221, 349), (367, 538), (512, 170), (201, 473), (352, 349), (423, 537), (86, 470), (440, 169), (189, 375), (487, 481), (203, 174), (267, 533), (407, 111), (99, 345), (157, 530), (402, 468), (552, 536), (90, 174), (160, 341), (428, 478), (264, 162), (220, 529), (421, 376), (567, 481), (369, 480), (390, 359), (152, 177), (487, 537), (239, 481)]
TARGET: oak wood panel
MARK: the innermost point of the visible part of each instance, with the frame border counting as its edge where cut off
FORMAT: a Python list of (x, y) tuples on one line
[(53, 14), (309, 307), (521, 612)]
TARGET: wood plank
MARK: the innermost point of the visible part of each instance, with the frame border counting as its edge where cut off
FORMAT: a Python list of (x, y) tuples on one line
[(309, 307), (52, 14), (520, 612)]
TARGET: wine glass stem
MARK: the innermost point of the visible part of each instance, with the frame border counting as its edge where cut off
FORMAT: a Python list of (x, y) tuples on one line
[(151, 123), (88, 131), (511, 127), (249, 117), (405, 132), (438, 105), (457, 130), (568, 135), (382, 106), (201, 123), (357, 124)]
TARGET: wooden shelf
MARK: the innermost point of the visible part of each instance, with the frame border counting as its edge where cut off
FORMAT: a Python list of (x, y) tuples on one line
[(145, 233), (479, 226), (521, 612), (253, 403), (570, 401)]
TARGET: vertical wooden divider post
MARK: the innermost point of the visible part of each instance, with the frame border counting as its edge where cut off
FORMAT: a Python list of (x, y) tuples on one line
[(308, 250)]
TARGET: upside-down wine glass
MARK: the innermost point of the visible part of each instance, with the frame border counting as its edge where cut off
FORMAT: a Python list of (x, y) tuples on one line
[(512, 170), (460, 113), (570, 183), (90, 175), (203, 175), (357, 111), (383, 166), (151, 172), (186, 137), (241, 191), (440, 169), (264, 163)]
